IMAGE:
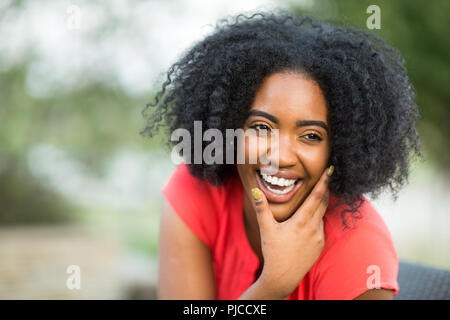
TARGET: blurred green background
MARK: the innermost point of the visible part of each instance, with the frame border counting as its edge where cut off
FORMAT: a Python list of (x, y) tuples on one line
[(79, 185)]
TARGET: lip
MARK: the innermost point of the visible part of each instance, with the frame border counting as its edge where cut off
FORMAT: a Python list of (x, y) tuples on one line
[(280, 174), (275, 197)]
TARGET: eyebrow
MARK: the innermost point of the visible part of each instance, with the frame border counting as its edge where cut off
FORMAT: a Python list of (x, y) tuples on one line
[(263, 114), (299, 123), (306, 123)]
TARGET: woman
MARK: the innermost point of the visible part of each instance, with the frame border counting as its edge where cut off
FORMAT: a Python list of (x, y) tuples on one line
[(343, 109)]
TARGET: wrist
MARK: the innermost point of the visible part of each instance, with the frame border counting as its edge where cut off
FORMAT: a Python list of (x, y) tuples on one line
[(271, 287)]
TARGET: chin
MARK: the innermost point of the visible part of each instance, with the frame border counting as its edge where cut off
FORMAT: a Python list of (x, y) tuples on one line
[(281, 213)]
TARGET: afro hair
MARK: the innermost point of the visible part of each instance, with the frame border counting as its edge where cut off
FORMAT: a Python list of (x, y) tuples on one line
[(370, 99)]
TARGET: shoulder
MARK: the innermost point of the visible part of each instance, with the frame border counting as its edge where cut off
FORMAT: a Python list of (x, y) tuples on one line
[(366, 236), (184, 188), (181, 177), (198, 203), (353, 254), (367, 218)]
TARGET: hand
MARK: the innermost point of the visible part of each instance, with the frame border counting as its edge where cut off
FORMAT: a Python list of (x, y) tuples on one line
[(290, 248)]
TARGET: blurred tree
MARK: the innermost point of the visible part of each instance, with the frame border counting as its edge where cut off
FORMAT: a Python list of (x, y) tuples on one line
[(90, 122), (94, 119), (27, 200), (419, 30)]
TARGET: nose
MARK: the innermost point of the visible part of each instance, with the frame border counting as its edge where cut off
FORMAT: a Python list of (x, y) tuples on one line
[(281, 152)]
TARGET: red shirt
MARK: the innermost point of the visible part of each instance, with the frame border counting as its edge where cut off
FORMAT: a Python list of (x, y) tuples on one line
[(352, 261)]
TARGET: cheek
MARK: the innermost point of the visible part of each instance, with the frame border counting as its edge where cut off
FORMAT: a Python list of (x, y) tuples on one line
[(244, 175), (314, 159), (252, 148)]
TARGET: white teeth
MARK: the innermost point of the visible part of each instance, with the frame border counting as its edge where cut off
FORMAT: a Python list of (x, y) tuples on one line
[(282, 182), (280, 191)]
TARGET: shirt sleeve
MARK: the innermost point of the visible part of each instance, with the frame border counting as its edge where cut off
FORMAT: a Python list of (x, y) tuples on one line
[(363, 258), (190, 198)]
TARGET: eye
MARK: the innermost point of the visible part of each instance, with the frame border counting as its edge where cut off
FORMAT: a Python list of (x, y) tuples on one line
[(261, 128), (312, 137)]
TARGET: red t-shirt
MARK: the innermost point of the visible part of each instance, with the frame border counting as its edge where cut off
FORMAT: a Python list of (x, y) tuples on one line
[(352, 261)]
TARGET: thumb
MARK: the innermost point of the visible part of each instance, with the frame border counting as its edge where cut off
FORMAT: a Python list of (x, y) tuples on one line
[(263, 213)]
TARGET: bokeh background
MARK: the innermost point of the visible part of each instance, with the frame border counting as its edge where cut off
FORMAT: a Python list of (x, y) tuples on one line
[(80, 186)]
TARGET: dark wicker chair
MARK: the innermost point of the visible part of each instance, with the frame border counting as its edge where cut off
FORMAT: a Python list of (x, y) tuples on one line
[(420, 282)]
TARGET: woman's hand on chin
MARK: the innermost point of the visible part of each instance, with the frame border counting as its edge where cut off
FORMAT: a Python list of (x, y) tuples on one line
[(290, 248)]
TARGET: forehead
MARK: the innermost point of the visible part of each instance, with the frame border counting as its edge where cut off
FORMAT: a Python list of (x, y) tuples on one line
[(291, 97)]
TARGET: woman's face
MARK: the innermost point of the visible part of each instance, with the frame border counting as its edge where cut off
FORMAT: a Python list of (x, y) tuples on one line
[(296, 106)]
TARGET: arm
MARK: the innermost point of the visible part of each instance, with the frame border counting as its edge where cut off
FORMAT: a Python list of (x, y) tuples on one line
[(186, 272), (260, 291), (376, 294), (185, 262)]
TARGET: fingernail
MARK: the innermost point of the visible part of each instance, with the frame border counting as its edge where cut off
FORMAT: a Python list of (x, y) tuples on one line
[(330, 170), (256, 194)]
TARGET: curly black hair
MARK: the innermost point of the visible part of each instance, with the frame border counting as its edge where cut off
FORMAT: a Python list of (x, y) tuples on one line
[(370, 100)]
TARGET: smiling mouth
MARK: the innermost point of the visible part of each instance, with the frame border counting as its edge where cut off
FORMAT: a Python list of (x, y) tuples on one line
[(277, 189)]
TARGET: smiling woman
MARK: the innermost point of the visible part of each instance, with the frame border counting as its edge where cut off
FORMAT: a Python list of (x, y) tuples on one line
[(337, 106)]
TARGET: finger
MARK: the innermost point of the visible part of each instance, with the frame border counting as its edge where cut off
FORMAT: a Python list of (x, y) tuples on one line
[(318, 196), (262, 209), (322, 207)]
